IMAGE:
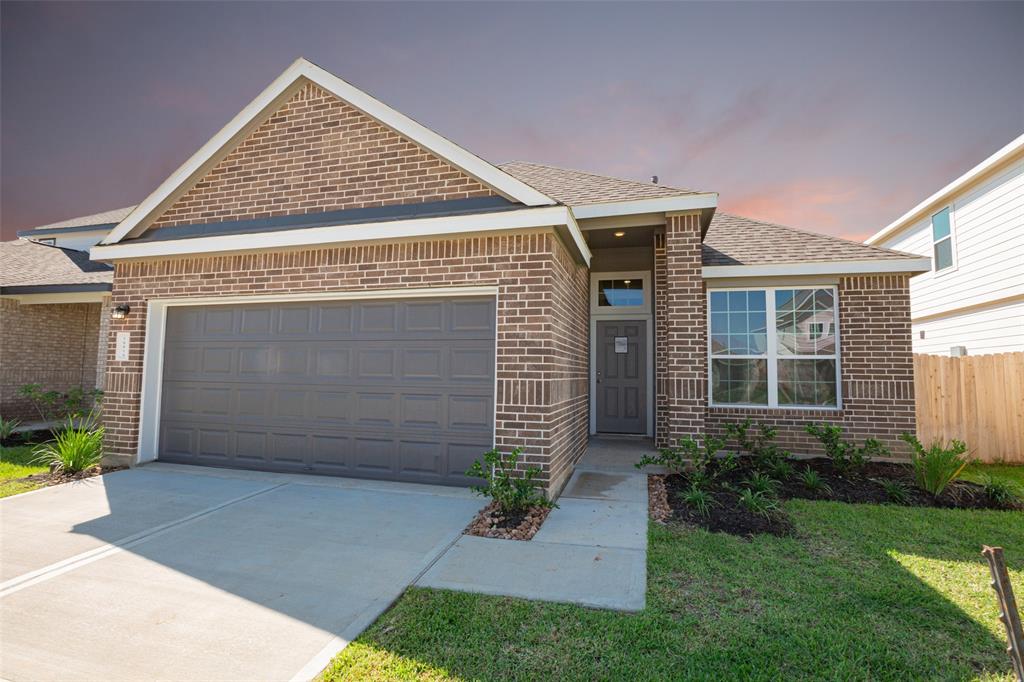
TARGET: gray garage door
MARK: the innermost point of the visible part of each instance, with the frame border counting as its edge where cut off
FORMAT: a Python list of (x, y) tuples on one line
[(389, 389)]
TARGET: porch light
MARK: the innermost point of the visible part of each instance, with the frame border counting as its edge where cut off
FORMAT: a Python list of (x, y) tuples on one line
[(120, 312), (620, 233)]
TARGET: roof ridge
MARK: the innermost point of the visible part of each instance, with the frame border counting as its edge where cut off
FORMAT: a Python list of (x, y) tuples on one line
[(822, 235), (592, 174)]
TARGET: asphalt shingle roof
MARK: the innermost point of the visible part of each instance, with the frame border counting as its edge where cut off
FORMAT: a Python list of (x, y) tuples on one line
[(734, 240), (25, 263), (574, 187), (106, 218)]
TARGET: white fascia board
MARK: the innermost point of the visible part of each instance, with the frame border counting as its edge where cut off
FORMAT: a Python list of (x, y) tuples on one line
[(839, 267), (528, 218), (957, 185), (687, 202), (504, 183), (56, 298), (577, 237)]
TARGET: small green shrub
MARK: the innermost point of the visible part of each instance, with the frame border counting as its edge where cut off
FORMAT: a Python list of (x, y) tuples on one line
[(698, 499), (53, 405), (1000, 491), (846, 457), (759, 443), (759, 502), (75, 447), (511, 492), (938, 465), (896, 491), (7, 427), (781, 470), (707, 465), (812, 481), (760, 483)]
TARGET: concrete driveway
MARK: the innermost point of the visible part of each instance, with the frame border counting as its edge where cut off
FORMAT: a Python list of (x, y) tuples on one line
[(182, 573)]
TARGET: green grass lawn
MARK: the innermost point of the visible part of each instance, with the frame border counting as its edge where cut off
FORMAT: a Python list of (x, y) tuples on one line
[(862, 592), (16, 463)]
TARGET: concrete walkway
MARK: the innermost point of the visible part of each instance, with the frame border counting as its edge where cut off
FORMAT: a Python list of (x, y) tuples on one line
[(592, 550), (169, 572)]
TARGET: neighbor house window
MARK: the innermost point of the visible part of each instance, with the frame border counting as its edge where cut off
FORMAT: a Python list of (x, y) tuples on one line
[(774, 347), (942, 240)]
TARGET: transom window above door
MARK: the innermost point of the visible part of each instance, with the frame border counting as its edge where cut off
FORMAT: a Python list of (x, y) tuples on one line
[(774, 347), (620, 292)]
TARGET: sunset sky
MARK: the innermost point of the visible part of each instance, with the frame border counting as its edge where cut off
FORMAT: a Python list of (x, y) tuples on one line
[(831, 117)]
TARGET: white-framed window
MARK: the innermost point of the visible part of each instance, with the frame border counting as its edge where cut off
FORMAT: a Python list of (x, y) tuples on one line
[(942, 240), (774, 347), (620, 292)]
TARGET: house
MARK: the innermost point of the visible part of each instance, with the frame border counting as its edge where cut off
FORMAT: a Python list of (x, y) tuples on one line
[(971, 300), (329, 287)]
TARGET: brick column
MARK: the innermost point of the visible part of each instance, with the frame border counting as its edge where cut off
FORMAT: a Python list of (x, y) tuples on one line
[(680, 330)]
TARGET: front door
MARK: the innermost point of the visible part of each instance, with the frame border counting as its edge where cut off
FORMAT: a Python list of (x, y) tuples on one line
[(621, 376)]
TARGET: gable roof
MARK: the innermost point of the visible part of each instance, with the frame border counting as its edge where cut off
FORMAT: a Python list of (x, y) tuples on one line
[(1011, 151), (26, 267), (300, 72), (736, 241), (576, 187), (86, 223)]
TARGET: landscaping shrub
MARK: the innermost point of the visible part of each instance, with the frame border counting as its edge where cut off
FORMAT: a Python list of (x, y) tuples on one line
[(759, 502), (698, 499), (846, 457), (760, 482), (7, 427), (511, 492), (811, 479), (1000, 491), (707, 465), (53, 405), (896, 491), (938, 465), (75, 447), (758, 443)]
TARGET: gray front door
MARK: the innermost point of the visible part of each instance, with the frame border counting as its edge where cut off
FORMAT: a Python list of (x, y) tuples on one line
[(390, 389), (621, 376)]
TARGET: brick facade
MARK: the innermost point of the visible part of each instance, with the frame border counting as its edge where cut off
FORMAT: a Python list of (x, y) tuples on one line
[(54, 345), (542, 320), (317, 153)]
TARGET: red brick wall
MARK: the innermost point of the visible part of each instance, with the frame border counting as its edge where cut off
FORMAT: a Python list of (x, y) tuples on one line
[(317, 153), (50, 344), (680, 335), (876, 366), (542, 308)]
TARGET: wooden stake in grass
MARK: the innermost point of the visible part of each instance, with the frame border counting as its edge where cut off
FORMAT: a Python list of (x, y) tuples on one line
[(1007, 607)]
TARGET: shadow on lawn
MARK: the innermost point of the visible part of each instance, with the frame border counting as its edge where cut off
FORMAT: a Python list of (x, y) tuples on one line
[(865, 592)]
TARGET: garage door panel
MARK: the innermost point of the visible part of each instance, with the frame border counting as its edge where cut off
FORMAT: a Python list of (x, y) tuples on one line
[(393, 389)]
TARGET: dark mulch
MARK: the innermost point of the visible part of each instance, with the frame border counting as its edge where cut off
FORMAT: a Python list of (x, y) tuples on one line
[(863, 486), (726, 514), (58, 477), (492, 523), (26, 438)]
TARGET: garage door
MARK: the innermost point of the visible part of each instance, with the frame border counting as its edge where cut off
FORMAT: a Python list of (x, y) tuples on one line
[(389, 389)]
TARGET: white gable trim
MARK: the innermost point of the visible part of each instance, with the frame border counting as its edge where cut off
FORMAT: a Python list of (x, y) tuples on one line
[(684, 202), (527, 218), (836, 267), (276, 94)]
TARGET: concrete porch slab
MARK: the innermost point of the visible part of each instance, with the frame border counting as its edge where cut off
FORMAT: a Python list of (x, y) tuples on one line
[(600, 485), (600, 577), (598, 523)]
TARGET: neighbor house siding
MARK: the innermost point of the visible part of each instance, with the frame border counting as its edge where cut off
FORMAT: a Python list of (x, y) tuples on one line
[(987, 222), (541, 345), (317, 153), (877, 368), (54, 345)]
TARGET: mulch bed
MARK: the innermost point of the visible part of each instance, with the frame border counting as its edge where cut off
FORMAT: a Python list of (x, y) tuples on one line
[(56, 478), (26, 438), (864, 486), (491, 523)]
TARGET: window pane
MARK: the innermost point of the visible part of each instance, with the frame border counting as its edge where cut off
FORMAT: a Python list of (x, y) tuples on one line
[(620, 292), (944, 254), (807, 382), (806, 323), (940, 225), (739, 381), (738, 323)]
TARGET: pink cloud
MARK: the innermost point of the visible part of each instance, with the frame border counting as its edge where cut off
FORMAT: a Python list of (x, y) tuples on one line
[(811, 204)]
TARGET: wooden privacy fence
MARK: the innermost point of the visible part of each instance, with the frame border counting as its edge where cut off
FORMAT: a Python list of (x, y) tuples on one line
[(978, 399)]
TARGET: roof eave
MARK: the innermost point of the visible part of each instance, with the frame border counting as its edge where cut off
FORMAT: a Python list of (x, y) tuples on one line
[(878, 266)]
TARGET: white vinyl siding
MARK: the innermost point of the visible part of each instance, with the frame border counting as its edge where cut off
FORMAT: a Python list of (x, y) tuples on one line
[(987, 221), (989, 330)]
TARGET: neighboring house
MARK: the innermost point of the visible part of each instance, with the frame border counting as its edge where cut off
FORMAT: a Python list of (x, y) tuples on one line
[(972, 299), (327, 286), (54, 309)]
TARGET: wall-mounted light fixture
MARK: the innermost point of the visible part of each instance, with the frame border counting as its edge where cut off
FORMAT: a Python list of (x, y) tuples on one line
[(620, 234), (120, 312)]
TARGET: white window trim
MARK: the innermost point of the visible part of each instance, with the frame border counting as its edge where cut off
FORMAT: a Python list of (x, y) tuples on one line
[(151, 393), (952, 241), (633, 310), (771, 354)]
